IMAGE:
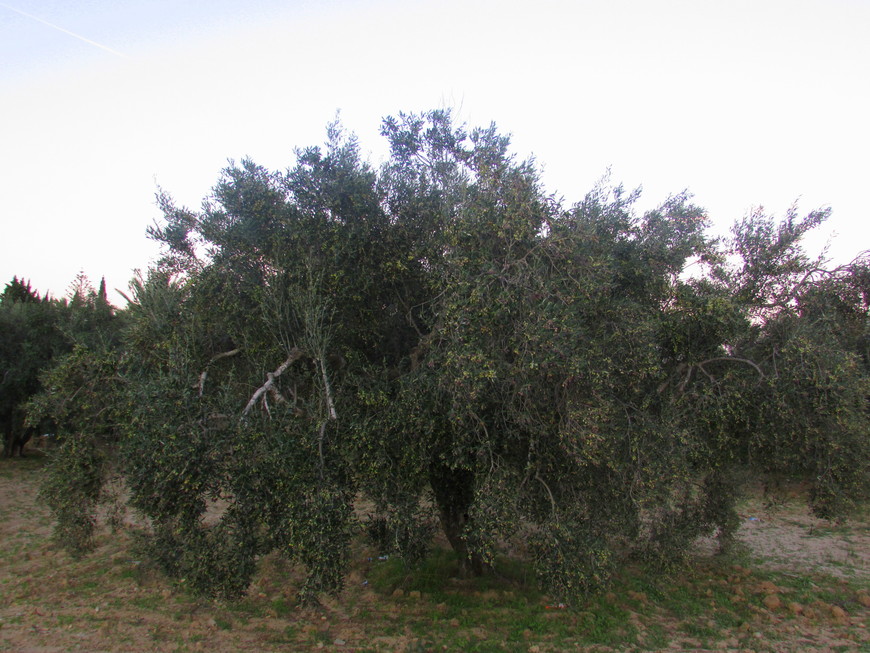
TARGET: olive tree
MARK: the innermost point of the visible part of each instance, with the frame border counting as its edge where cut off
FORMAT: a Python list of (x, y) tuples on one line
[(446, 339)]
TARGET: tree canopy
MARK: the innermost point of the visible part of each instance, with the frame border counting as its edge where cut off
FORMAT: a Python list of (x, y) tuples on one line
[(447, 340), (31, 337)]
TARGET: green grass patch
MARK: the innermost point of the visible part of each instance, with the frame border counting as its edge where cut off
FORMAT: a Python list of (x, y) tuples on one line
[(248, 607), (151, 602), (429, 576), (223, 622), (699, 630), (281, 607), (725, 618), (656, 637), (66, 619)]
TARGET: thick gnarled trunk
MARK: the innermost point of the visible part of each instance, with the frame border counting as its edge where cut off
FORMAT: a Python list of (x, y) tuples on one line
[(454, 493)]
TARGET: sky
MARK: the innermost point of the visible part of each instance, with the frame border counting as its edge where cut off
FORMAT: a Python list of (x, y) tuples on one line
[(744, 103)]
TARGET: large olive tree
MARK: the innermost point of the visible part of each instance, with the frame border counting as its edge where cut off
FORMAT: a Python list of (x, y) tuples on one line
[(446, 339)]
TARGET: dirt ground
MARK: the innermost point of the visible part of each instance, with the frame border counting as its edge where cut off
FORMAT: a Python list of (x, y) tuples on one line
[(113, 601), (789, 538)]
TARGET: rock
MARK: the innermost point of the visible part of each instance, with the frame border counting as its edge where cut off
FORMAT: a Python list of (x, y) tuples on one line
[(772, 602), (766, 587), (339, 642)]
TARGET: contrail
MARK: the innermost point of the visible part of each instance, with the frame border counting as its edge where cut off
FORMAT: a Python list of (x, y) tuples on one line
[(65, 31)]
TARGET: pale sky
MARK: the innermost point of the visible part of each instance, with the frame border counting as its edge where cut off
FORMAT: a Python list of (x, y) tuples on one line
[(742, 102)]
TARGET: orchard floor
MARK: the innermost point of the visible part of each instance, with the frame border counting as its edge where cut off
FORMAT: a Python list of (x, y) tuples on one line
[(800, 584)]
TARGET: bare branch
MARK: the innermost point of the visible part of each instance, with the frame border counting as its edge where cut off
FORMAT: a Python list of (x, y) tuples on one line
[(330, 405), (547, 488), (687, 379), (215, 358), (295, 355), (277, 396), (700, 366), (667, 382), (798, 286), (731, 358)]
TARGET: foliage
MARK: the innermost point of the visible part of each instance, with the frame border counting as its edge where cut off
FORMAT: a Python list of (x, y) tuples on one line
[(31, 339), (73, 487), (82, 397), (444, 339), (810, 416)]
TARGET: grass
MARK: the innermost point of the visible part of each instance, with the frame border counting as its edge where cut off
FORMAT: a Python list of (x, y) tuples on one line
[(642, 610), (50, 600), (498, 613)]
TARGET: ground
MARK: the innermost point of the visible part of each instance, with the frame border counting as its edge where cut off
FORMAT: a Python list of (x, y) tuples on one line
[(799, 584)]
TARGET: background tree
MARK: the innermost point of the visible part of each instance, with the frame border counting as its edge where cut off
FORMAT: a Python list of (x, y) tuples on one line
[(808, 418), (31, 338), (80, 395)]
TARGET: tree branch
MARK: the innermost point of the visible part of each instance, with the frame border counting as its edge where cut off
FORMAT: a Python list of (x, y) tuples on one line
[(295, 355), (687, 379), (731, 358), (277, 396), (330, 406), (215, 358), (547, 488)]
